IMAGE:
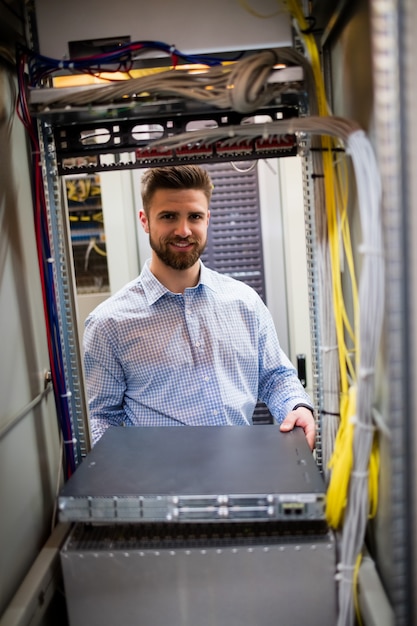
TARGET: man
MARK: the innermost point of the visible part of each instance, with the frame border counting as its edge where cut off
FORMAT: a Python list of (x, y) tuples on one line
[(182, 344)]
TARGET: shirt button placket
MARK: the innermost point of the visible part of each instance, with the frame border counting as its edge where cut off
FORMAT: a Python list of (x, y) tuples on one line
[(192, 326)]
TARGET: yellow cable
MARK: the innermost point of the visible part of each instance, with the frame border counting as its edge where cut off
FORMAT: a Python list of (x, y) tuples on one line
[(333, 237), (329, 188), (99, 250), (336, 196), (374, 478), (342, 195), (341, 462)]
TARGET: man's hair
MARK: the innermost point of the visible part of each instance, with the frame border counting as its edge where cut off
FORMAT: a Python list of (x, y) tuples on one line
[(174, 177)]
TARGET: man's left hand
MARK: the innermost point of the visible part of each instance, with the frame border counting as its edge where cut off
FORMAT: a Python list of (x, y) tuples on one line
[(302, 417)]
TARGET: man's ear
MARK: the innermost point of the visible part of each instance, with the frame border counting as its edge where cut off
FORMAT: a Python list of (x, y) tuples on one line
[(144, 221)]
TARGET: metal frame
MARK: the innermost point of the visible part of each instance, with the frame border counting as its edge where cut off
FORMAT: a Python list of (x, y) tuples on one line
[(128, 148), (64, 291), (312, 276)]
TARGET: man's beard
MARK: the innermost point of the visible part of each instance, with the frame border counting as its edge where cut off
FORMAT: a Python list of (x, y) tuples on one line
[(177, 260)]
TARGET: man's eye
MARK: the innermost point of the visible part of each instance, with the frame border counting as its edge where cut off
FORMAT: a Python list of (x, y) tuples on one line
[(167, 216), (196, 217)]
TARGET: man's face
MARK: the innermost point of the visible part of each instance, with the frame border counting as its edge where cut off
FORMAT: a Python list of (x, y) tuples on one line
[(177, 226)]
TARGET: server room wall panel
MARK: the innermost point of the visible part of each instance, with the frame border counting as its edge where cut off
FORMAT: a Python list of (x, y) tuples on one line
[(411, 148), (349, 45), (29, 443)]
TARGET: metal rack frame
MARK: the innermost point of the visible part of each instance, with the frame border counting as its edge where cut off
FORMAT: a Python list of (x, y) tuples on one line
[(65, 293), (60, 133)]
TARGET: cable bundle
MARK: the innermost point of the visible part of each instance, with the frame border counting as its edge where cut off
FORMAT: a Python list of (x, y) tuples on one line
[(333, 126), (364, 475), (242, 85), (47, 269), (119, 59), (353, 488)]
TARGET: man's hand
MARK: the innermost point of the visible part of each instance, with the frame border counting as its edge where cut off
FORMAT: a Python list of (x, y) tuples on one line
[(302, 417)]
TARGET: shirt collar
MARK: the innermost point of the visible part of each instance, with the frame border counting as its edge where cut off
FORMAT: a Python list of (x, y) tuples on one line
[(154, 289), (207, 277)]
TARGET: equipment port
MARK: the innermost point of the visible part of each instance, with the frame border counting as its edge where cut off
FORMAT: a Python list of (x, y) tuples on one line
[(201, 150), (149, 155), (292, 509)]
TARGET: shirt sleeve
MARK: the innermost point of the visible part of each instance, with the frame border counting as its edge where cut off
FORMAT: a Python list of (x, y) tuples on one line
[(104, 378), (279, 386)]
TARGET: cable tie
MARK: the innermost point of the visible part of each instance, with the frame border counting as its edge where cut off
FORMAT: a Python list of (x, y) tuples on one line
[(369, 250), (172, 48), (341, 568), (72, 441), (342, 579), (50, 259), (61, 65), (366, 372), (358, 474), (66, 395), (358, 424), (328, 348), (71, 65), (324, 412), (317, 149), (380, 425)]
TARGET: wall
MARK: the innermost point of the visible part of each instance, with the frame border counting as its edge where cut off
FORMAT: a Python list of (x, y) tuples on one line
[(29, 447)]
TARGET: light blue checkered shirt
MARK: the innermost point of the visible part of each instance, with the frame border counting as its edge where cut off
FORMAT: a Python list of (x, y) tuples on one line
[(155, 358)]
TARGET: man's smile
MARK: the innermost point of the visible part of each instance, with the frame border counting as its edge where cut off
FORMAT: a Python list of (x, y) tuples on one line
[(182, 244)]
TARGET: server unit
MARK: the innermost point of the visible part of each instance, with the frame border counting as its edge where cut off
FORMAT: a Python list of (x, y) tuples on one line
[(198, 525)]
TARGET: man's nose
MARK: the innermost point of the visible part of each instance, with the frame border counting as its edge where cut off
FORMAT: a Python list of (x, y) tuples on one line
[(183, 228)]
